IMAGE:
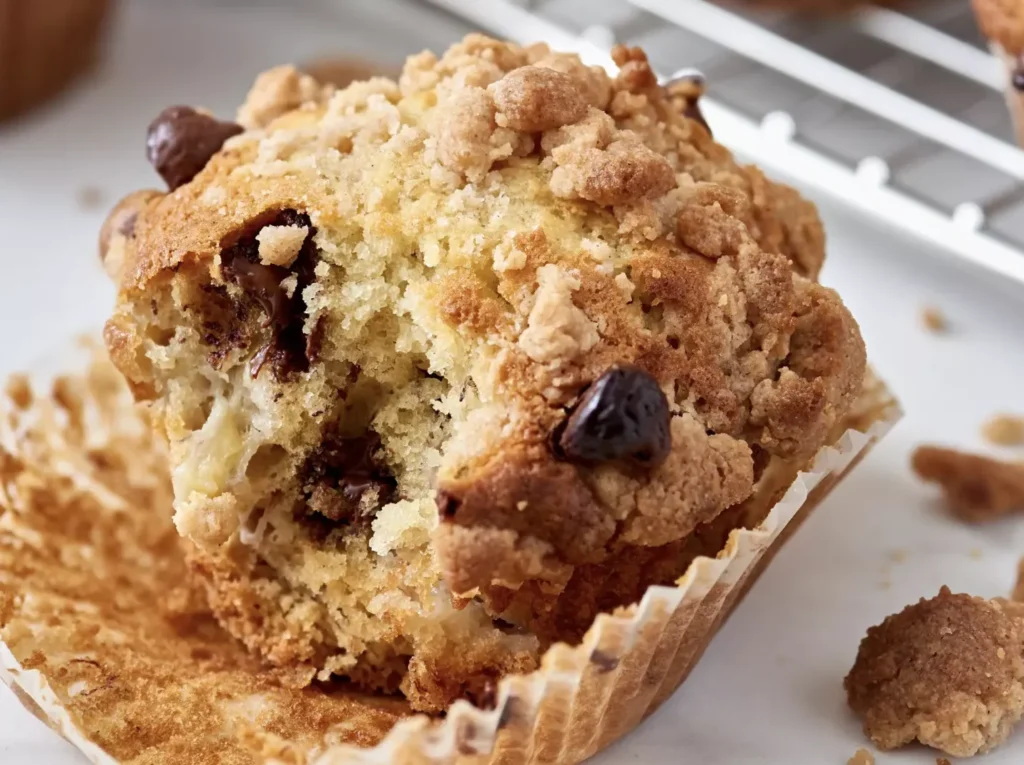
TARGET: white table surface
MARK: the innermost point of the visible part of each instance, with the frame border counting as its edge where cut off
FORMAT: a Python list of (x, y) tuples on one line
[(770, 688)]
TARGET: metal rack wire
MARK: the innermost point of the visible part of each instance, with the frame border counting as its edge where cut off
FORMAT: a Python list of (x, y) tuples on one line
[(898, 114)]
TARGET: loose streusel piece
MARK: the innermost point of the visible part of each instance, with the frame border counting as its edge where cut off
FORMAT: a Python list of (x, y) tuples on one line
[(946, 671), (934, 320), (1004, 430), (862, 757), (977, 488), (449, 365)]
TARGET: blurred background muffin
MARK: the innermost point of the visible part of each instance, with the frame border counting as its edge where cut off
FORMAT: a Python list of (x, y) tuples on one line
[(44, 46)]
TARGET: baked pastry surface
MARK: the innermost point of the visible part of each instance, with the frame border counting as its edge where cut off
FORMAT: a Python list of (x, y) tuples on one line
[(446, 366)]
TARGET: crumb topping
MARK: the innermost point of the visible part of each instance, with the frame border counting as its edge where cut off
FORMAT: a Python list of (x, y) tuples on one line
[(277, 92), (945, 671), (1004, 430), (977, 488), (280, 245)]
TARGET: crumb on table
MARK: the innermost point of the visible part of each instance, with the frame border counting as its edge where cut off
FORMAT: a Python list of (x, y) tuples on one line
[(933, 319), (1004, 430), (862, 757), (977, 488), (90, 198), (946, 671)]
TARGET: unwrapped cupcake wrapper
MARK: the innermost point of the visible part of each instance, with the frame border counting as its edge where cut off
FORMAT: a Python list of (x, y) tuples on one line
[(582, 698)]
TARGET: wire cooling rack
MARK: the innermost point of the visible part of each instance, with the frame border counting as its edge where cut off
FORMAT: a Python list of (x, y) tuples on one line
[(898, 114)]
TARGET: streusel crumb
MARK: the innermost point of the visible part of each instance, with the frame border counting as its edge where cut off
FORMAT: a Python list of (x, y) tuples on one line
[(946, 671), (977, 488), (862, 757), (934, 320), (1004, 430)]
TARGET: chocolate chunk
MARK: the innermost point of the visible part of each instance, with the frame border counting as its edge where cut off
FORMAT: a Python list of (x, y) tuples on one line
[(180, 141), (623, 415), (288, 350), (340, 472)]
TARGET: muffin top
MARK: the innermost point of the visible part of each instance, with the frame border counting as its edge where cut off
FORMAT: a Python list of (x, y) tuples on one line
[(619, 320)]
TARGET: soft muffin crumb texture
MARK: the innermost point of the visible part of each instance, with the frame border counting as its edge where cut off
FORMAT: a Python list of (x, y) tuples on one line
[(363, 325)]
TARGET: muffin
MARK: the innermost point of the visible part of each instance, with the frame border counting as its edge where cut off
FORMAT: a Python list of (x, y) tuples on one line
[(1002, 22), (44, 46), (448, 366)]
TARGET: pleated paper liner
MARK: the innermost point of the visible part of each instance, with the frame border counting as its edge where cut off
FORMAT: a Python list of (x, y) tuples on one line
[(104, 641)]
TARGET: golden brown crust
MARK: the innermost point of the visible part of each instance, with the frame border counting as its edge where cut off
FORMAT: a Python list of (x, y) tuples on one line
[(1002, 22), (119, 227), (945, 671), (976, 488)]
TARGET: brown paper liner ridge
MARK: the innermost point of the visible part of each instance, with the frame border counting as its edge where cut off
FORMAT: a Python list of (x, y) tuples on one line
[(101, 643)]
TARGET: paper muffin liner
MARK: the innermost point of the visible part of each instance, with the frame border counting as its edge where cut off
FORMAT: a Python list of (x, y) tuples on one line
[(99, 644)]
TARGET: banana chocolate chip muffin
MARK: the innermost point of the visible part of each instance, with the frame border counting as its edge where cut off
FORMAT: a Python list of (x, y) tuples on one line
[(447, 366)]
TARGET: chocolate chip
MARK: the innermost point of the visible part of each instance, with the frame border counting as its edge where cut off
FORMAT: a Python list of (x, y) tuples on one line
[(1017, 79), (180, 141), (340, 472), (623, 415), (289, 350)]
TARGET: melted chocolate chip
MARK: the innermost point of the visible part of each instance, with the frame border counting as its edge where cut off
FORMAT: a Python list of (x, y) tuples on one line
[(623, 415), (288, 349), (340, 472), (180, 141)]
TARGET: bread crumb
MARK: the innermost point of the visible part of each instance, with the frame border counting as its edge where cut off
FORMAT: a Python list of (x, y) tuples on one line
[(280, 245), (557, 331), (976, 554), (942, 761), (945, 671), (1004, 430), (977, 488), (90, 198), (861, 757), (934, 320)]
